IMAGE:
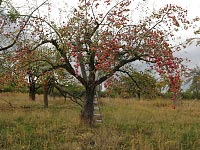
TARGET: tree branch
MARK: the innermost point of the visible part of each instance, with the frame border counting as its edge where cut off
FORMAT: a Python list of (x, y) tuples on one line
[(66, 94), (126, 72), (21, 29)]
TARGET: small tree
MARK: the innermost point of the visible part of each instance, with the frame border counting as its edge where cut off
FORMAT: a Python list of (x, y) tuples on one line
[(135, 84)]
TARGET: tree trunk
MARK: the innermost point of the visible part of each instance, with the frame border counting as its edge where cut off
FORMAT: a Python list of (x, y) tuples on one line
[(32, 91), (139, 95), (88, 109), (45, 88)]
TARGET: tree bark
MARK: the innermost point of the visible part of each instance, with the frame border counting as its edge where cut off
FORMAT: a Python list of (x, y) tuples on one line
[(45, 88), (88, 109), (32, 91)]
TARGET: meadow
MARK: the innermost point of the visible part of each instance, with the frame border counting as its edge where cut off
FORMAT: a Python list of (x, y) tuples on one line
[(128, 125)]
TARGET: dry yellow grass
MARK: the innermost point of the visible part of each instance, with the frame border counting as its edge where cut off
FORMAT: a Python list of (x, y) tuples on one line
[(128, 125)]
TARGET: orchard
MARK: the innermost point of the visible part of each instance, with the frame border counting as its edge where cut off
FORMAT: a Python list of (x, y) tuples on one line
[(93, 45)]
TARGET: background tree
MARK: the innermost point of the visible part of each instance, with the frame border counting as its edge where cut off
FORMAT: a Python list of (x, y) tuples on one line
[(135, 84), (194, 79), (12, 26), (36, 67), (94, 45)]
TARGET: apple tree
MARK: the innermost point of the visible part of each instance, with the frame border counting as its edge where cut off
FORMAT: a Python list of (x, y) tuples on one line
[(99, 38)]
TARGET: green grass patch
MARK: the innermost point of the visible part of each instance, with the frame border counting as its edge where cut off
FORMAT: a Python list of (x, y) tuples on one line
[(128, 125)]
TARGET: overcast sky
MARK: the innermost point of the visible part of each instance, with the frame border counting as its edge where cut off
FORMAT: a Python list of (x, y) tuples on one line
[(193, 7)]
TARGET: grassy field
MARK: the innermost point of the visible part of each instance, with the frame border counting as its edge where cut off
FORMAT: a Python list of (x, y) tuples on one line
[(128, 125)]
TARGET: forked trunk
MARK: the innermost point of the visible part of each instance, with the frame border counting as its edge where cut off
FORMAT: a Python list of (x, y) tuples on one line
[(88, 109)]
